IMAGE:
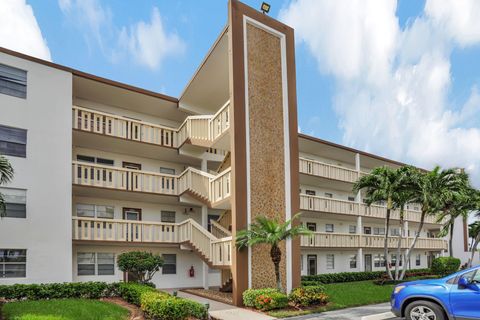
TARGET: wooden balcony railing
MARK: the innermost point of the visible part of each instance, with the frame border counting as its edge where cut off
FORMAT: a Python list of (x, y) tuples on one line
[(209, 187), (326, 170), (340, 240), (329, 205), (216, 251), (205, 128)]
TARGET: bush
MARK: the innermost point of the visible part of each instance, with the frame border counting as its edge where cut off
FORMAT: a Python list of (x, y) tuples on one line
[(265, 299), (86, 290), (132, 292), (158, 305), (141, 263), (352, 276), (308, 296), (444, 266)]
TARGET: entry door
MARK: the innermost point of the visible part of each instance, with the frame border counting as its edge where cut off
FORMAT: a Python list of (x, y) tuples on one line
[(465, 301), (132, 179), (368, 262), (312, 265), (133, 230)]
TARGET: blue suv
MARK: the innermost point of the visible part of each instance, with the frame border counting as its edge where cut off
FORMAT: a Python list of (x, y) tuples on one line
[(456, 296)]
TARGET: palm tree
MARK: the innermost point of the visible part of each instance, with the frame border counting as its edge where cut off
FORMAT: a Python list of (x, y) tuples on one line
[(381, 185), (474, 233), (271, 232), (6, 175)]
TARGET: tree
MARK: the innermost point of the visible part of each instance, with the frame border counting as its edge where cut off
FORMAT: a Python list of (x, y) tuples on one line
[(474, 233), (271, 232), (6, 175), (143, 265), (381, 185)]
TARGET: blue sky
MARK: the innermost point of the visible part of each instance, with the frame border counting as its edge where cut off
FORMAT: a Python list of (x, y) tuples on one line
[(394, 78)]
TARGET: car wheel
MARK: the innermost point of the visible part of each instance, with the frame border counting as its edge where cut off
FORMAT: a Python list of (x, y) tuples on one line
[(424, 310)]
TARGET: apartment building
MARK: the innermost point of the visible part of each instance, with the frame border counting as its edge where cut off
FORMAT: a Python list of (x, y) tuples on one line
[(102, 168)]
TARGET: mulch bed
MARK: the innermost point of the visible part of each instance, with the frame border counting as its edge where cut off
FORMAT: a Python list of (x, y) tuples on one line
[(223, 297), (135, 312)]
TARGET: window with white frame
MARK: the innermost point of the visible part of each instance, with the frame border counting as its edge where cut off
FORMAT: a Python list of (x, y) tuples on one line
[(378, 231), (352, 228), (394, 260), (13, 263), (15, 202), (330, 261), (395, 232), (169, 264), (13, 81), (95, 211), (91, 264), (418, 260), (167, 170), (379, 261), (328, 195), (13, 142), (167, 216), (353, 261), (329, 227)]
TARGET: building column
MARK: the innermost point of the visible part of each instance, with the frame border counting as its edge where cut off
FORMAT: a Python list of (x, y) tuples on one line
[(205, 225), (361, 267)]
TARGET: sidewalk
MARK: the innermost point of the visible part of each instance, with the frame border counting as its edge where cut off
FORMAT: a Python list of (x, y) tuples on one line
[(370, 312), (223, 311)]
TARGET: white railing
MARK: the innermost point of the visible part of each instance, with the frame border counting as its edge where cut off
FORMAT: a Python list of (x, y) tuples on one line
[(209, 187), (215, 251), (326, 170), (218, 230), (204, 128), (341, 240), (323, 204)]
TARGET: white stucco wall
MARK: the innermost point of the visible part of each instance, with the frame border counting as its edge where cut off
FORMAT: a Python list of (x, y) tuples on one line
[(45, 172), (459, 243)]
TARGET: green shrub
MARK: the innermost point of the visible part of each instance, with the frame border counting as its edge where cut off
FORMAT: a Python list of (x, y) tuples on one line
[(159, 306), (265, 299), (86, 290), (444, 266), (308, 296), (353, 276), (132, 292)]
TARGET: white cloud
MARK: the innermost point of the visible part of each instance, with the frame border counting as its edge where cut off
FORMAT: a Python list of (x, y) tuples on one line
[(393, 84), (149, 43), (19, 29)]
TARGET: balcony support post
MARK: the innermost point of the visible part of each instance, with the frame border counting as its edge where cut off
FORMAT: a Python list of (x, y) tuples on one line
[(360, 260), (360, 250)]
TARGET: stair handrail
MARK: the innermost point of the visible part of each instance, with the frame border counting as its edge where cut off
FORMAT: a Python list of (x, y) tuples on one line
[(218, 226)]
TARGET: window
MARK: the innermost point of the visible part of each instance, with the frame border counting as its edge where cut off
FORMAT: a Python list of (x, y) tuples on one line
[(352, 229), (312, 226), (13, 81), (90, 264), (15, 202), (101, 161), (95, 211), (328, 195), (353, 261), (13, 263), (310, 192), (379, 261), (367, 230), (394, 260), (351, 198), (168, 216), (13, 141), (329, 227), (395, 232), (378, 231), (330, 261), (418, 260), (167, 170), (169, 264)]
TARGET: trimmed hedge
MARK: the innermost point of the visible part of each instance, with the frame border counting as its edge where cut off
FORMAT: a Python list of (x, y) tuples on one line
[(353, 276), (308, 296), (444, 266), (85, 290), (132, 292), (265, 299)]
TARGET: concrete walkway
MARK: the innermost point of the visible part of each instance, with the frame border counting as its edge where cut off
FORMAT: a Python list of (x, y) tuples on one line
[(223, 311), (370, 312)]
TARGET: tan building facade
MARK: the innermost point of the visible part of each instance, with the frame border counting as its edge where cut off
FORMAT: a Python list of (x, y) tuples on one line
[(181, 176)]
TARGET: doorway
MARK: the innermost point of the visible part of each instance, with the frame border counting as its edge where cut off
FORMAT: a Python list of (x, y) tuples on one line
[(312, 264), (368, 262), (133, 229), (132, 178)]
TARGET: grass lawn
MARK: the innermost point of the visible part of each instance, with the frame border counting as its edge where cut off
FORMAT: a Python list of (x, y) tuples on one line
[(345, 295), (68, 309)]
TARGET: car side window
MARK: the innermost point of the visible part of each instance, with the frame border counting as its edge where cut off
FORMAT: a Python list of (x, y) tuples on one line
[(476, 277), (469, 275)]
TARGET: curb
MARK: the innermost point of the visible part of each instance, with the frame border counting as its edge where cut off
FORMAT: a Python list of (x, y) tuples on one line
[(380, 316)]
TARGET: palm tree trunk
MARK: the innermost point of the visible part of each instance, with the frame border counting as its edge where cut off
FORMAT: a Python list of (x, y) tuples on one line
[(399, 245), (387, 260), (474, 249), (276, 255), (410, 249), (450, 240)]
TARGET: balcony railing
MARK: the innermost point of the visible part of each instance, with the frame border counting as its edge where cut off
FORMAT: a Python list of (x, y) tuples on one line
[(329, 205), (212, 188), (321, 169), (197, 129), (216, 251), (340, 240)]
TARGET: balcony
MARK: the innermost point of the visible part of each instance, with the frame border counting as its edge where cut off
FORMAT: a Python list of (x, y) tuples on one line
[(339, 240), (216, 252), (329, 171), (209, 131), (328, 205), (213, 190)]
